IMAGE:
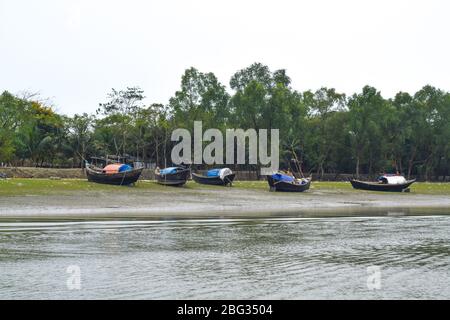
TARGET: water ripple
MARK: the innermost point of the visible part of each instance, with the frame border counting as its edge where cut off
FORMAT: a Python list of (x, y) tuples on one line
[(228, 259)]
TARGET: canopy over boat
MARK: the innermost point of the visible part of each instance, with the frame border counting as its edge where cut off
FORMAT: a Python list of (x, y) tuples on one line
[(170, 170), (116, 168), (221, 173), (283, 177), (392, 179)]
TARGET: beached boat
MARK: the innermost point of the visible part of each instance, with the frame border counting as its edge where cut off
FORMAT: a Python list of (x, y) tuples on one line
[(173, 176), (389, 183), (218, 177), (117, 174), (287, 183)]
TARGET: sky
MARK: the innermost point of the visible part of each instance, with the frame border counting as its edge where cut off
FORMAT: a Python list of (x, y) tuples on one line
[(75, 51)]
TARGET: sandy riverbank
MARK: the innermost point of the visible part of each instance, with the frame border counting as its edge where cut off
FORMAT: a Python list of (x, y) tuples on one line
[(213, 202)]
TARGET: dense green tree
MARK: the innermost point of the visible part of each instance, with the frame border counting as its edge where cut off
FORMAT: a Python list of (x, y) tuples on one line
[(426, 115), (42, 138), (367, 119), (12, 114), (80, 136), (201, 98), (323, 105), (119, 115), (265, 100)]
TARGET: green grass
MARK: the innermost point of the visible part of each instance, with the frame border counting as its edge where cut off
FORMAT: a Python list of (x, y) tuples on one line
[(17, 187), (20, 187), (431, 188)]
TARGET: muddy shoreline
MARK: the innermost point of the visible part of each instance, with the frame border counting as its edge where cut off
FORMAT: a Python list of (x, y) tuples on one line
[(216, 203)]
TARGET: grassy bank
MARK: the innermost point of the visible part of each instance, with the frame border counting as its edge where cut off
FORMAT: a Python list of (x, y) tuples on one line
[(20, 187)]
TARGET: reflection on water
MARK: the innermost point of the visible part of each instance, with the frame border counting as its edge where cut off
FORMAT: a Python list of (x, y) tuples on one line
[(228, 259)]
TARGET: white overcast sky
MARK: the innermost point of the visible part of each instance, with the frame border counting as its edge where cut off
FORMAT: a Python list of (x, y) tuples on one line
[(75, 51)]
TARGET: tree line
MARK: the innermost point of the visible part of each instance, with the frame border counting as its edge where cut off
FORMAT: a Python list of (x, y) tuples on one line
[(329, 131)]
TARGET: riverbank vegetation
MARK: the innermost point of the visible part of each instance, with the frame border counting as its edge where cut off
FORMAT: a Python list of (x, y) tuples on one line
[(329, 131), (36, 187)]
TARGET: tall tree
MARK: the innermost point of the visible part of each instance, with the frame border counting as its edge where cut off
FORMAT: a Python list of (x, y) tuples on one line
[(322, 106), (119, 115), (367, 112), (201, 98), (80, 135)]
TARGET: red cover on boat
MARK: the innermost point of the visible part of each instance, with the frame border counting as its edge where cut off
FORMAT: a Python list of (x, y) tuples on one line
[(112, 168)]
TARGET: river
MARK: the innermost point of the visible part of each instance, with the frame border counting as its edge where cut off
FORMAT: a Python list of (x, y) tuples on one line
[(387, 257)]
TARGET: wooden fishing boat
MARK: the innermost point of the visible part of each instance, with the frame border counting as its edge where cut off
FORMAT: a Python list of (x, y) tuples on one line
[(174, 176), (124, 178), (288, 185), (387, 183), (218, 177)]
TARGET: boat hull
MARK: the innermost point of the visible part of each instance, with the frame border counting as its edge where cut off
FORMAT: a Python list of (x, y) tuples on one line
[(373, 186), (173, 179), (217, 181), (120, 179), (286, 186)]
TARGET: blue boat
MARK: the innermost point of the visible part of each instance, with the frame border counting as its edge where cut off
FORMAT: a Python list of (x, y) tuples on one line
[(287, 183), (218, 177), (173, 176)]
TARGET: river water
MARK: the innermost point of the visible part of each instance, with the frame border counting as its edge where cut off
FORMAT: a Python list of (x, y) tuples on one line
[(296, 258)]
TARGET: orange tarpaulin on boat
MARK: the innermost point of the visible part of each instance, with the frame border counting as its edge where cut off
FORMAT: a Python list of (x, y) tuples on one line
[(112, 168)]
